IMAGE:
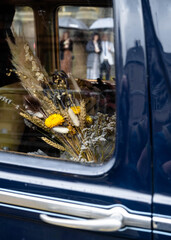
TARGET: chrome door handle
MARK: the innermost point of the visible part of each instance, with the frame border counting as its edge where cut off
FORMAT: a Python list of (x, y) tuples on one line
[(108, 224), (94, 218), (116, 218)]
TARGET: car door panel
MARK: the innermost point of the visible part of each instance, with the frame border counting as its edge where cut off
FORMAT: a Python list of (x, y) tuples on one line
[(158, 49), (27, 192)]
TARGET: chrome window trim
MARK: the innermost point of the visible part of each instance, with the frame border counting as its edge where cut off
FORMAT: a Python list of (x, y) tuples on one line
[(54, 164)]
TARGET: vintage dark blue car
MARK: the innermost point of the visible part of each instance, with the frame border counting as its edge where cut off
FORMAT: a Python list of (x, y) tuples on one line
[(86, 156)]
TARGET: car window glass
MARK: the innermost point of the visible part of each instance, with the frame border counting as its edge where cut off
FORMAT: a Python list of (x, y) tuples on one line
[(63, 108), (81, 25)]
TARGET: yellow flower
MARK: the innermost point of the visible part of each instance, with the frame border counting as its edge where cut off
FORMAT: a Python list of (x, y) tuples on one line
[(54, 120), (89, 119), (71, 130), (76, 109)]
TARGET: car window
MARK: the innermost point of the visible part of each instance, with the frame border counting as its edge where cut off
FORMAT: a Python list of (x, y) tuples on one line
[(58, 95), (81, 25)]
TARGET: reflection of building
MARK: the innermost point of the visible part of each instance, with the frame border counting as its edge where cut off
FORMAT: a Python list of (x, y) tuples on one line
[(23, 24), (86, 14)]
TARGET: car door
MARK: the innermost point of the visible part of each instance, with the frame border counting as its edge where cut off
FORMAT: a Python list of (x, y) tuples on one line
[(159, 48), (47, 198)]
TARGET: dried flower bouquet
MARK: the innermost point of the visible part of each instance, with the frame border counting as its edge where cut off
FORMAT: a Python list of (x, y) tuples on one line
[(59, 112)]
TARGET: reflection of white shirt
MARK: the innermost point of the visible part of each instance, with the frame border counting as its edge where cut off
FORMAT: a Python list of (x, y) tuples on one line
[(96, 46), (107, 52)]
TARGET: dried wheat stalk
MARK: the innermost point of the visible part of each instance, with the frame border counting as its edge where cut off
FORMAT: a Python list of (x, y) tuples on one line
[(51, 143)]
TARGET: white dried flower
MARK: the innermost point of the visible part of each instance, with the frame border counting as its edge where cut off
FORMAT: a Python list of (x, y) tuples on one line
[(102, 139), (34, 67), (31, 58), (38, 114), (61, 129), (27, 57), (26, 47), (83, 147), (74, 118), (6, 100), (58, 96), (39, 76), (30, 112)]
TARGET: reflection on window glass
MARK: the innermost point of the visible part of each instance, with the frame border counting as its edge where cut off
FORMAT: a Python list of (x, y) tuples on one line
[(68, 113), (86, 40), (24, 25), (161, 12), (21, 22)]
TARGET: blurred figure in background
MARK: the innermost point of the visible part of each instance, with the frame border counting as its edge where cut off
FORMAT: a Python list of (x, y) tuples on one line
[(106, 57), (93, 49), (80, 55), (66, 47)]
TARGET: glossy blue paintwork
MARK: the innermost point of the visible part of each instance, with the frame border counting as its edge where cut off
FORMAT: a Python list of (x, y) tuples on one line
[(129, 181), (158, 42), (133, 133)]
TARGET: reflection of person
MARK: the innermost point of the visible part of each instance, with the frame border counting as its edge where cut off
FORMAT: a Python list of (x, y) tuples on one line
[(106, 57), (66, 46), (80, 54), (93, 48)]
